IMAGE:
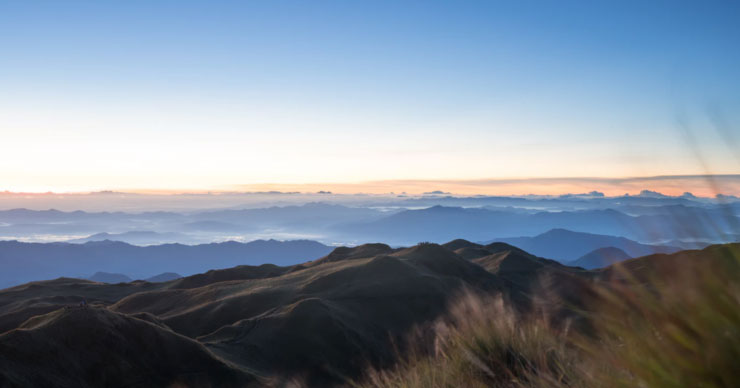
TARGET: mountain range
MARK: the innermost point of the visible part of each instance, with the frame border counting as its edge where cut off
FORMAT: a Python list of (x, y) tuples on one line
[(567, 246), (649, 219), (33, 261), (440, 223), (134, 237), (22, 262), (319, 323)]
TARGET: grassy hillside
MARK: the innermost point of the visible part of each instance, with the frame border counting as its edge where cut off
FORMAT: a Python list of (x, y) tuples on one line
[(657, 321), (428, 315)]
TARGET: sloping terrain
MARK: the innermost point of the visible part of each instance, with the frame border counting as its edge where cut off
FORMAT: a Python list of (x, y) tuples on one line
[(96, 347), (721, 259), (17, 304), (322, 322)]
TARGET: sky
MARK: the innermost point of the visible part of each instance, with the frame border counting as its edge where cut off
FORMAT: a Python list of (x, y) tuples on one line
[(196, 95)]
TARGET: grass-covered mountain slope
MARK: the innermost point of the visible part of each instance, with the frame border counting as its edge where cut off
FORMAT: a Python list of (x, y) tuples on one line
[(324, 322)]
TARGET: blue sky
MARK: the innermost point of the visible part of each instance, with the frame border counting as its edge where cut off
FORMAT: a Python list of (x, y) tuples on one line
[(198, 95)]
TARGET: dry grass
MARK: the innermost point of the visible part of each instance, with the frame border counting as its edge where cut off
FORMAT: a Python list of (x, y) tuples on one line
[(684, 332), (676, 330), (483, 343)]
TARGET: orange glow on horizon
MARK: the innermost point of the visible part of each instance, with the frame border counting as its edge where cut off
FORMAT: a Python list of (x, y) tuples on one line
[(703, 186)]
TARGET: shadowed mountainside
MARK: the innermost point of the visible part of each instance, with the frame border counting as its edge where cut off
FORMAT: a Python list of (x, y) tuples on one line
[(95, 347), (321, 322), (667, 266)]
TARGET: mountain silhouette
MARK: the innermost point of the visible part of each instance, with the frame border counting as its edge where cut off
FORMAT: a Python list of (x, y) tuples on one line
[(397, 221), (600, 258), (565, 245), (444, 223), (321, 321), (22, 262), (106, 277), (134, 237), (163, 277)]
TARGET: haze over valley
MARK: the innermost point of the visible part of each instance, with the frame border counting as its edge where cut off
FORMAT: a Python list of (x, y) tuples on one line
[(45, 244), (369, 194)]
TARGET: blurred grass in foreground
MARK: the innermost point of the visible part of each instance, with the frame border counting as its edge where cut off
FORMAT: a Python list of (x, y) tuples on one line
[(660, 321)]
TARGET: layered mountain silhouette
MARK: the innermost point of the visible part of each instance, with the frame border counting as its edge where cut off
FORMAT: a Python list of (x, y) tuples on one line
[(566, 246), (163, 277), (442, 223), (22, 262), (321, 321), (600, 258), (191, 227), (682, 221), (134, 237), (106, 277)]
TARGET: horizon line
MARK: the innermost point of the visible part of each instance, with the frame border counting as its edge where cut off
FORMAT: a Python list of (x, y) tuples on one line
[(707, 185)]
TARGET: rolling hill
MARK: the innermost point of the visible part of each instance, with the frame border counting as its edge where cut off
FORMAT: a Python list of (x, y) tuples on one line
[(103, 348), (321, 322)]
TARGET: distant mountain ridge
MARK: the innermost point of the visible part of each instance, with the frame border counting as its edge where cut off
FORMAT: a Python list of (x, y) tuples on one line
[(565, 245), (320, 321), (106, 277), (134, 237), (325, 321), (32, 261), (442, 223), (22, 262), (397, 221), (600, 258)]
